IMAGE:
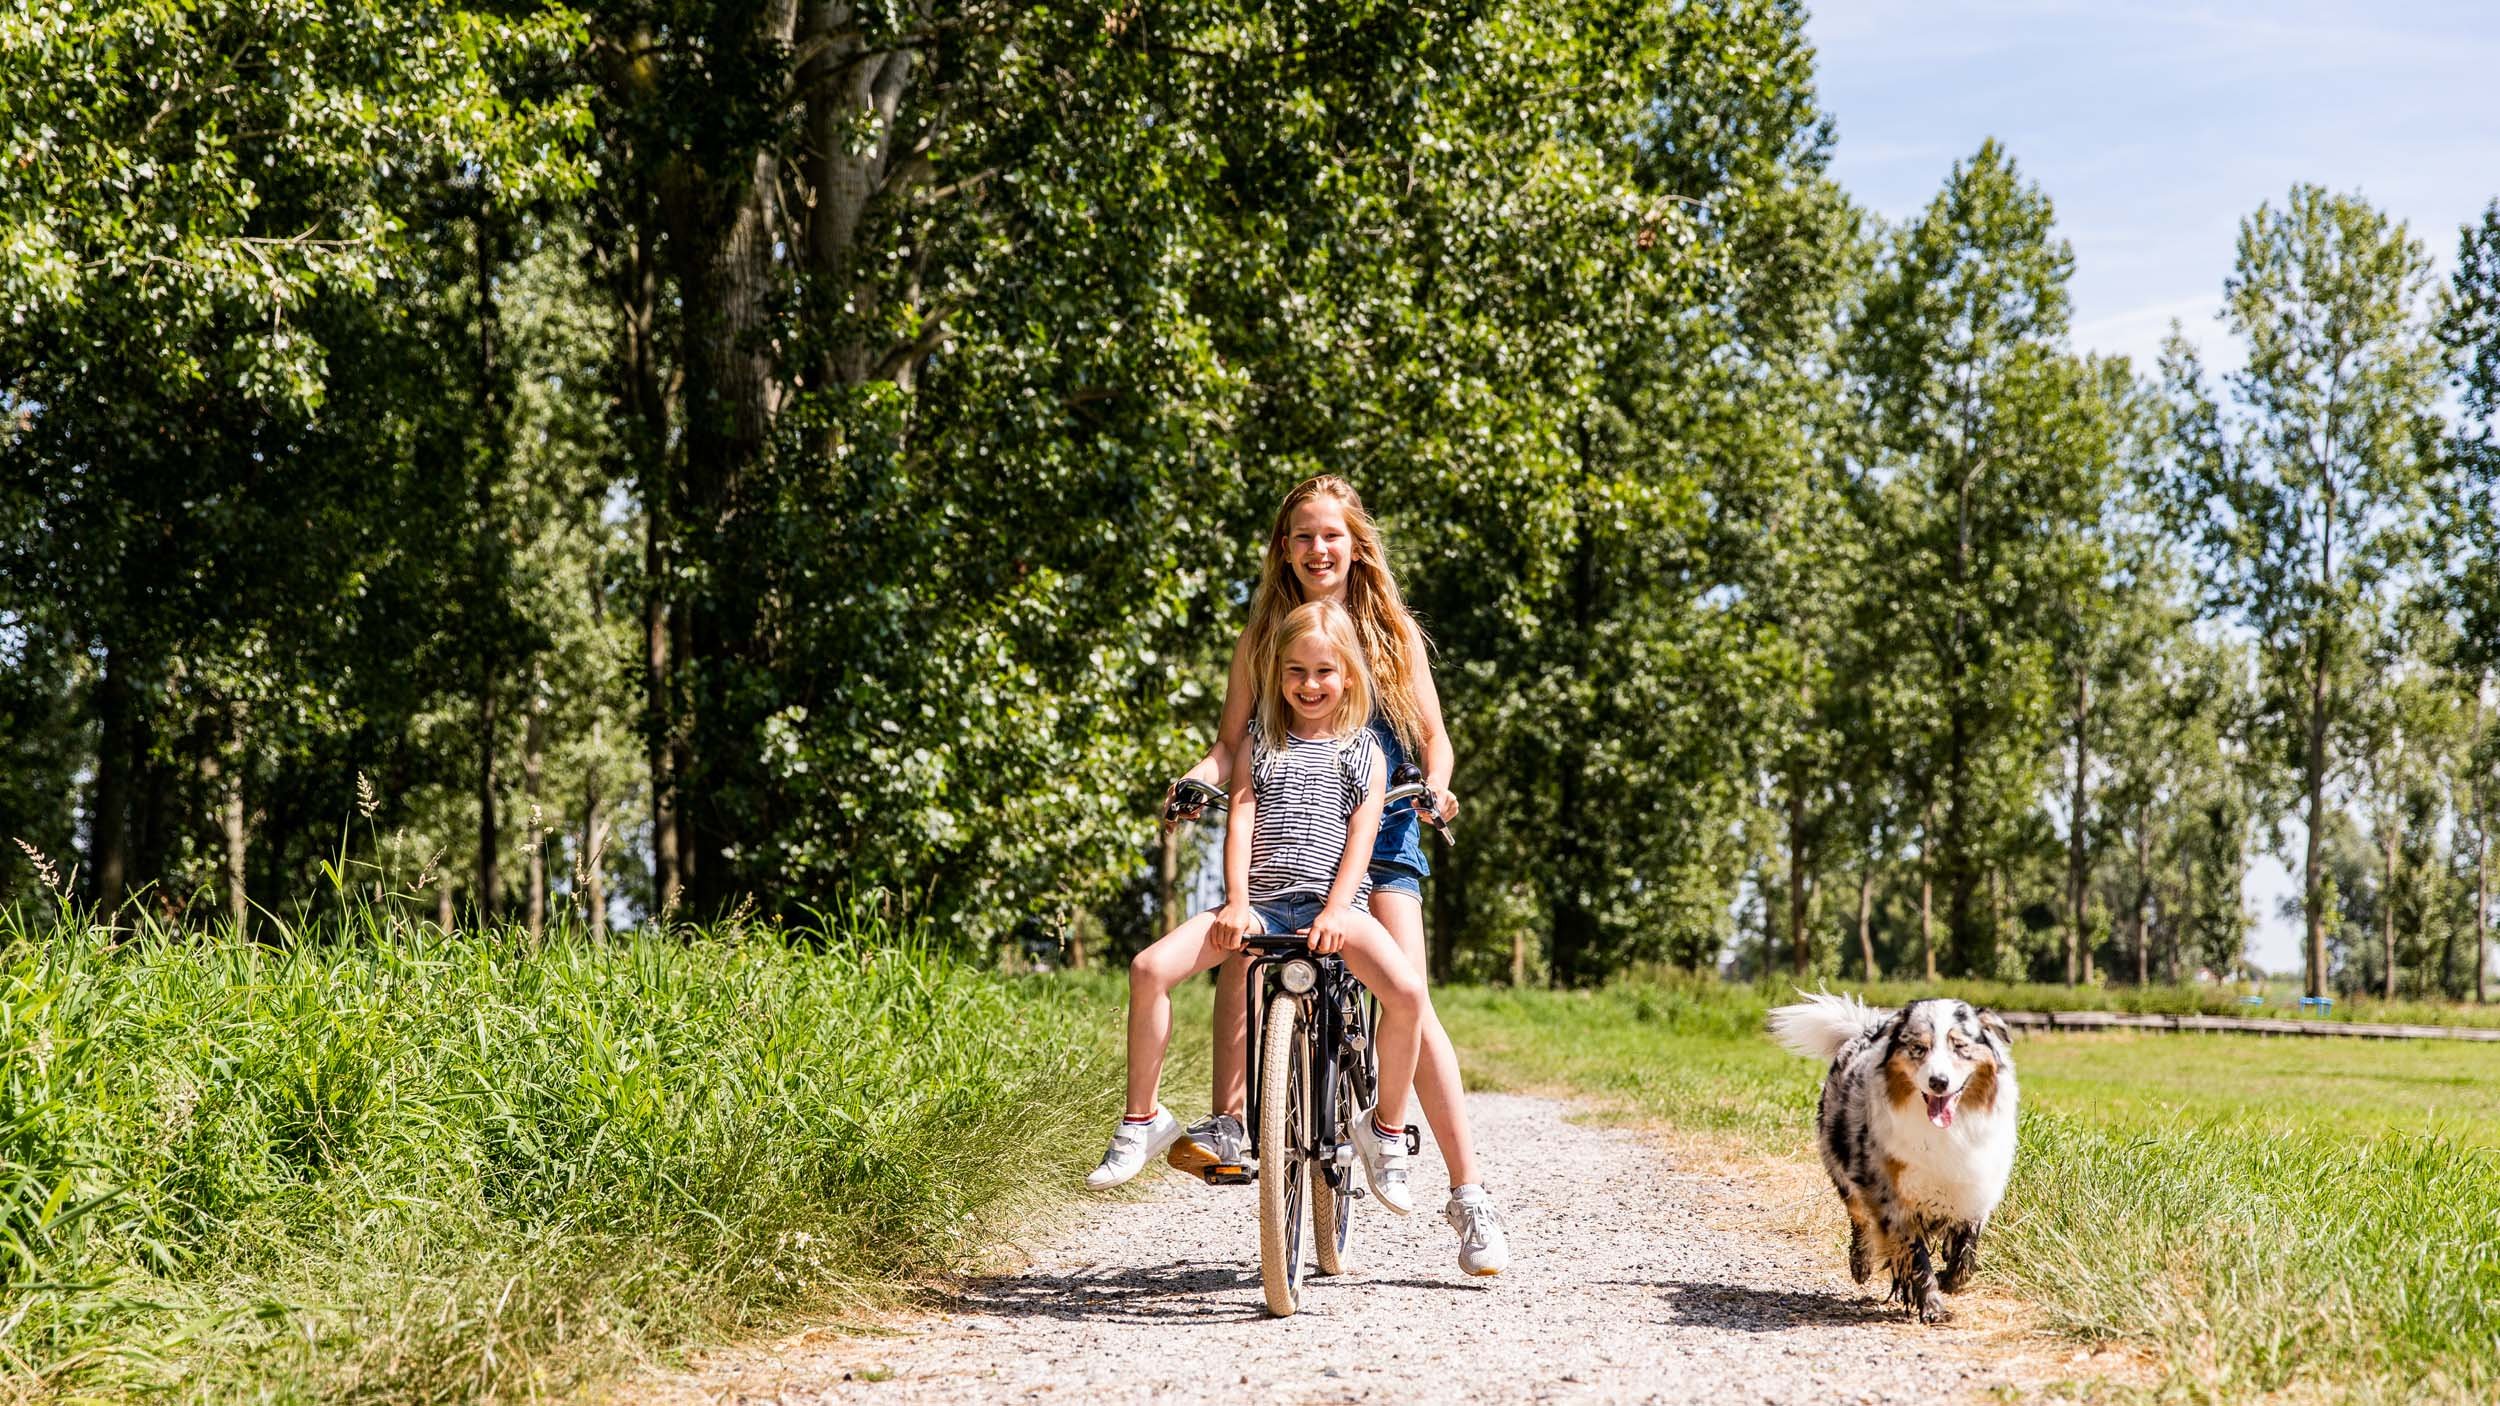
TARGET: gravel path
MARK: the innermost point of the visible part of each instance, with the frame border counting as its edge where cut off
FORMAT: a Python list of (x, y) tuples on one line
[(1631, 1281)]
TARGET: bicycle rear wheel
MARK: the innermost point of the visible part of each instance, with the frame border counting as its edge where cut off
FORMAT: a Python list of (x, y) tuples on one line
[(1284, 1121)]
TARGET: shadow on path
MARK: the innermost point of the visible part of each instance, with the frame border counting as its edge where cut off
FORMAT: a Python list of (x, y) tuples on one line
[(1752, 1310), (1177, 1294)]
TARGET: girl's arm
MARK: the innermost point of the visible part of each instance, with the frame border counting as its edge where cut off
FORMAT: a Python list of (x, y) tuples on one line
[(1232, 726), (1439, 758), (1336, 917), (1234, 920)]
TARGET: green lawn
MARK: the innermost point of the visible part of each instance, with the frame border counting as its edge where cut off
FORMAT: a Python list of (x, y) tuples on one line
[(2315, 1217)]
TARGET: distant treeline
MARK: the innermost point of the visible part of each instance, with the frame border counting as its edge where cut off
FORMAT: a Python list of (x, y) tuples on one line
[(683, 454)]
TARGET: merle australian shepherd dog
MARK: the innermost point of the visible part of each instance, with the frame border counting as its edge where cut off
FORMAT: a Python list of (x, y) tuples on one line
[(1917, 1130)]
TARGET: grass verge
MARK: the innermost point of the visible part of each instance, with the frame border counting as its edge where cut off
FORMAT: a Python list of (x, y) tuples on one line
[(394, 1165), (2264, 1244)]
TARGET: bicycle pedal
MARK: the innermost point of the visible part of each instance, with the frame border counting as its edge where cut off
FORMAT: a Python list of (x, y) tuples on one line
[(1230, 1174), (1414, 1140)]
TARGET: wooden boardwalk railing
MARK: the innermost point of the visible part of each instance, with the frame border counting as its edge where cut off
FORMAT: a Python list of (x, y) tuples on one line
[(2243, 1025)]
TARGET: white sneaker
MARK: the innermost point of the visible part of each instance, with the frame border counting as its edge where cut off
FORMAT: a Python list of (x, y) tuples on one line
[(1384, 1165), (1481, 1249), (1132, 1147)]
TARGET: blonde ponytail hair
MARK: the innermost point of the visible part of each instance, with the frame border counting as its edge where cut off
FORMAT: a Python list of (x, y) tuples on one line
[(1387, 632)]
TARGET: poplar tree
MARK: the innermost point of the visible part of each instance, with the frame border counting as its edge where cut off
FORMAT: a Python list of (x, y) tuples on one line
[(2306, 491)]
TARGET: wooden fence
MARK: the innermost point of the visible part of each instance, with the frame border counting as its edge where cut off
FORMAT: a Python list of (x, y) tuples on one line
[(2243, 1025)]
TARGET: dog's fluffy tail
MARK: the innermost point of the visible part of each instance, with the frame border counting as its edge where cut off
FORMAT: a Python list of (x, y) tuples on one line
[(1821, 1024)]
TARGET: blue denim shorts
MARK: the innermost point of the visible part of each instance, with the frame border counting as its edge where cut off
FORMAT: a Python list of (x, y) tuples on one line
[(1390, 877), (1289, 912)]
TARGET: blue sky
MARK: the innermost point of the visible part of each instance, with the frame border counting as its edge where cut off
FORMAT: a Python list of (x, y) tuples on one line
[(2155, 128)]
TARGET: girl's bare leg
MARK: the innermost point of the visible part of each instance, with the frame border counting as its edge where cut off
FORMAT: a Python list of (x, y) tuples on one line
[(1437, 1084), (1174, 958), (1232, 1038), (1398, 985)]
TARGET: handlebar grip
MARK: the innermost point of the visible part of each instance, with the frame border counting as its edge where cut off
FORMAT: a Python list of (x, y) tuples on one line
[(1189, 796)]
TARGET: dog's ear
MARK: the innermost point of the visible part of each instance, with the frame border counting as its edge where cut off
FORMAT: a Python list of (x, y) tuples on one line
[(1996, 1027)]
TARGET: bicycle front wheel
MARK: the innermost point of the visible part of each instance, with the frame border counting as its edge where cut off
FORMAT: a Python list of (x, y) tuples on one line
[(1332, 1210), (1284, 1163)]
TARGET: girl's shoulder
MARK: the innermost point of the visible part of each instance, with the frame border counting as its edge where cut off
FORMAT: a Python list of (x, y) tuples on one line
[(1360, 757)]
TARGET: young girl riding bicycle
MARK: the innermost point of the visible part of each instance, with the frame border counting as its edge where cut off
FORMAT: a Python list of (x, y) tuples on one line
[(1306, 788)]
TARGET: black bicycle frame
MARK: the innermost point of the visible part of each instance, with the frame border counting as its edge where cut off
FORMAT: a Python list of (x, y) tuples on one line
[(1323, 1008)]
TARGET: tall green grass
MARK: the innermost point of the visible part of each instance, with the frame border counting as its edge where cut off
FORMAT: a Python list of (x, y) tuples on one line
[(397, 1165), (2265, 1243)]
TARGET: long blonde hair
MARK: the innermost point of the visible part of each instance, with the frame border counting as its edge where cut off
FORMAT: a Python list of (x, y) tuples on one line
[(1389, 636), (1329, 621)]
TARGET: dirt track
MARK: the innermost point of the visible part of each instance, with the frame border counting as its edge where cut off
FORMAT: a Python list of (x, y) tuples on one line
[(1633, 1280)]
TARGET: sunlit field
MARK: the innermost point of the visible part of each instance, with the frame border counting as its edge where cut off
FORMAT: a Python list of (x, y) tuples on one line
[(2271, 1214)]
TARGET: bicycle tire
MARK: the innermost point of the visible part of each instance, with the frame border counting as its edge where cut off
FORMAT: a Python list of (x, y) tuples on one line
[(1284, 1078)]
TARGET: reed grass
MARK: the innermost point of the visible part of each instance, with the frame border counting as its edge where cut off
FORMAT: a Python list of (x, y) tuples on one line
[(386, 1163)]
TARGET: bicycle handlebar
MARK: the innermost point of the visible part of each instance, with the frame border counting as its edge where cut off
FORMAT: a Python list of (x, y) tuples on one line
[(1191, 799)]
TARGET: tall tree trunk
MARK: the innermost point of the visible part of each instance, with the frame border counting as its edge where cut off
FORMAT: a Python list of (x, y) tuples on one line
[(1927, 893), (660, 725), (1168, 879), (594, 842), (1866, 921), (108, 813), (2313, 772), (2452, 885), (221, 768), (489, 884), (2078, 940), (2143, 891), (491, 460), (682, 748), (232, 819), (726, 233), (2482, 864), (533, 769), (2482, 893), (2387, 906), (1972, 948), (1800, 939)]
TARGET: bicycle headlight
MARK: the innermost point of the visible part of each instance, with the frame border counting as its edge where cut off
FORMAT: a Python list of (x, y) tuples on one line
[(1298, 977)]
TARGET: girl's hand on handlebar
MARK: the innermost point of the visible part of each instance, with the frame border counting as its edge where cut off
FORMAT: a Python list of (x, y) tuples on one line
[(1331, 928), (1441, 803), (1233, 923)]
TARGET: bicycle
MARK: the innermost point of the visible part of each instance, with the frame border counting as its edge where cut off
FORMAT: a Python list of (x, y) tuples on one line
[(1311, 1024)]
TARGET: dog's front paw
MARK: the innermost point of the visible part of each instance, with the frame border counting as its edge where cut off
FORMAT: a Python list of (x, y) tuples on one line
[(1934, 1311)]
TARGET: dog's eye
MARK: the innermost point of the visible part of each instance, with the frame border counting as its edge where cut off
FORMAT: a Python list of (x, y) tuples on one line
[(1915, 1049)]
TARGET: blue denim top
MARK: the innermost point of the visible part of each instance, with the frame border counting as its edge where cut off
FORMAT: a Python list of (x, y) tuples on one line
[(1401, 839)]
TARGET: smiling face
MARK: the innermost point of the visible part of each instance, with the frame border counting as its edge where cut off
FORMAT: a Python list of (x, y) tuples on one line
[(1311, 672), (1320, 545), (1945, 1056)]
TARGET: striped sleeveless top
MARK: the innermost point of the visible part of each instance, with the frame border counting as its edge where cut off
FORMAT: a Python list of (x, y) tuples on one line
[(1307, 791)]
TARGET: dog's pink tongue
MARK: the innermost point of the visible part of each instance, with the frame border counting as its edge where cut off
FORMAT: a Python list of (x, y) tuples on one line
[(1940, 1110)]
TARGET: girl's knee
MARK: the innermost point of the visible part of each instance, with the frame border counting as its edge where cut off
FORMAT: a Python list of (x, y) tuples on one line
[(1146, 975)]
